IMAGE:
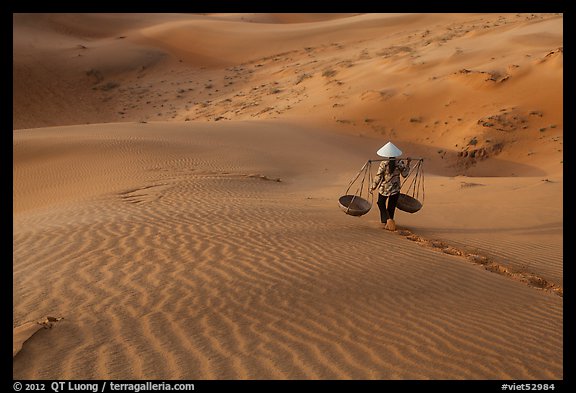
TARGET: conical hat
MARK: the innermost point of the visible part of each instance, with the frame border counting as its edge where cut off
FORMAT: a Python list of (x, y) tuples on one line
[(389, 150)]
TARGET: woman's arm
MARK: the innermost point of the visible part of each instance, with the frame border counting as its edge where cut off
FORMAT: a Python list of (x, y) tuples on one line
[(404, 167), (379, 174)]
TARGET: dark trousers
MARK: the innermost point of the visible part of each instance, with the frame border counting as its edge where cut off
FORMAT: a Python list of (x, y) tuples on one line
[(387, 212)]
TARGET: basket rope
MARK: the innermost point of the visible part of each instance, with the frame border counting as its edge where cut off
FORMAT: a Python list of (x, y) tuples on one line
[(366, 172), (417, 182)]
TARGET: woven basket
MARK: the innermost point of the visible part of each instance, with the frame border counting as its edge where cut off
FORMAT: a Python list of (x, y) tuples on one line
[(408, 204), (354, 205)]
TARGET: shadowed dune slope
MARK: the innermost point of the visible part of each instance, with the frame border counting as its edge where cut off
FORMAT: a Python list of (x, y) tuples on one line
[(476, 88)]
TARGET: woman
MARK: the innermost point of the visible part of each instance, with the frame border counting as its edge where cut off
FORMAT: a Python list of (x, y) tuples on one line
[(387, 180)]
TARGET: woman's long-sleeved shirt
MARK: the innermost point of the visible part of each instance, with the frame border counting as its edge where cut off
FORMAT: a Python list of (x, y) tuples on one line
[(389, 182)]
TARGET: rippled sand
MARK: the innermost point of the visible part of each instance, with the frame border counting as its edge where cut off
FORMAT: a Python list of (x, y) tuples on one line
[(205, 249)]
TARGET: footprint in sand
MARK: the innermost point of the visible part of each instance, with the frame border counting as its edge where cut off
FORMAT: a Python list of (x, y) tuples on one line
[(530, 279)]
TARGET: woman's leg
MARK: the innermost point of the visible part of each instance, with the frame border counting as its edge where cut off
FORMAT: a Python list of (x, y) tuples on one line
[(382, 206), (392, 202)]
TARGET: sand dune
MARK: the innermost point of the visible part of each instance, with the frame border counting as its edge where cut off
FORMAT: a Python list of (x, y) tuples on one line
[(24, 332), (176, 179)]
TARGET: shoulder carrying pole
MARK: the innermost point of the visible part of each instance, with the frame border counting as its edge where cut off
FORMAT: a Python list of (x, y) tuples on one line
[(399, 159)]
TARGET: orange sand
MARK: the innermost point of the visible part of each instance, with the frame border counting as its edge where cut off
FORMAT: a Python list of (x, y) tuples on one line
[(176, 179)]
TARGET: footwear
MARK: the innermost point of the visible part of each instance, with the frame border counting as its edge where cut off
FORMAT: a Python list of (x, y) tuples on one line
[(390, 225)]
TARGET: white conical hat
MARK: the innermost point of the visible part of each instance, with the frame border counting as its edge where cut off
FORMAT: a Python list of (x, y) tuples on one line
[(389, 150)]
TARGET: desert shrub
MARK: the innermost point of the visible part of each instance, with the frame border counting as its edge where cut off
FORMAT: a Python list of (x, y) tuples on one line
[(328, 73), (301, 77)]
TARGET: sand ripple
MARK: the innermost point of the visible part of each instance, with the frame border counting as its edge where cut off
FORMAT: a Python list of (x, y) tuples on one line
[(222, 276)]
